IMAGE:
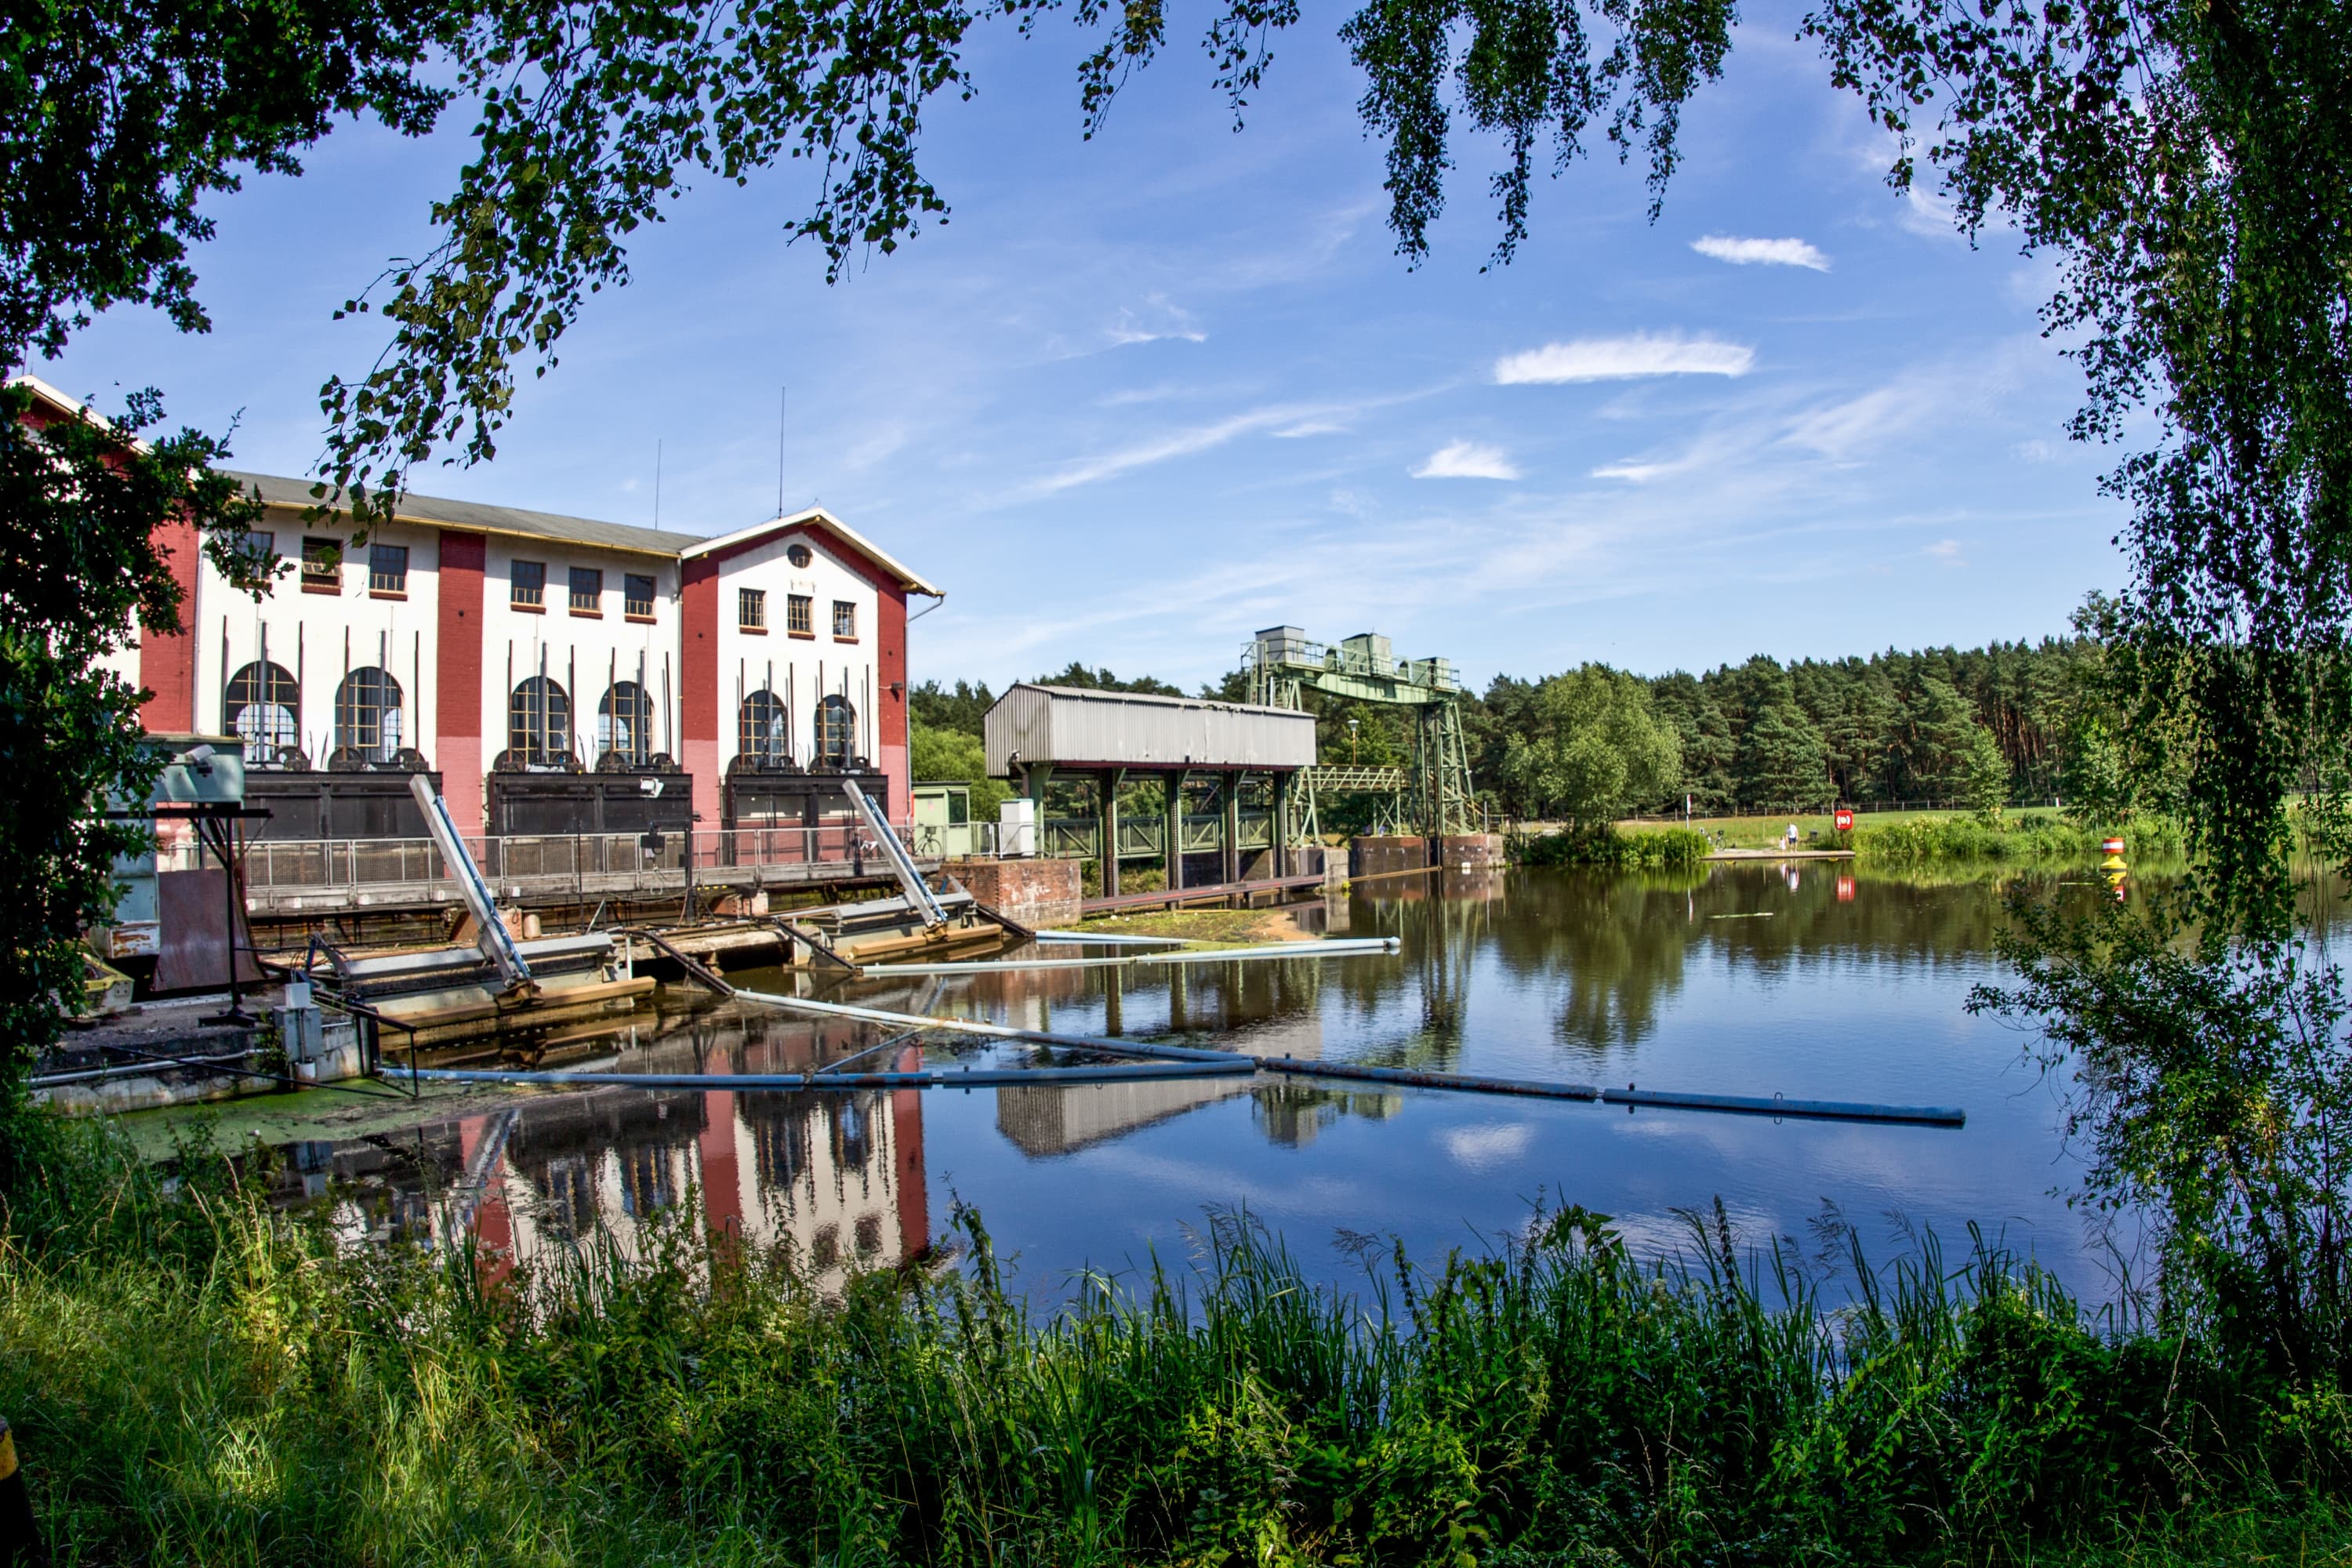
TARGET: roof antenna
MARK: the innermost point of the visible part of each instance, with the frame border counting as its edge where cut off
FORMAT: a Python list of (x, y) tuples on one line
[(784, 401), (657, 445)]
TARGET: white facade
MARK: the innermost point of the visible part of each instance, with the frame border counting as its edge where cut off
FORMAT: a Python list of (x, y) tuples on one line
[(320, 635), (585, 651), (799, 668)]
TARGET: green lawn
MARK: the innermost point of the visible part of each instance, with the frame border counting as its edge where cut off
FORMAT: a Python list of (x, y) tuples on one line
[(1815, 830)]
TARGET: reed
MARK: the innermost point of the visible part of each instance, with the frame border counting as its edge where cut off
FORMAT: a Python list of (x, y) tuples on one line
[(194, 1378), (2027, 837)]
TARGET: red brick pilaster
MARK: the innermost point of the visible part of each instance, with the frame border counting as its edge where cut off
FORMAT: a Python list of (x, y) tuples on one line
[(698, 696), (457, 681), (167, 660)]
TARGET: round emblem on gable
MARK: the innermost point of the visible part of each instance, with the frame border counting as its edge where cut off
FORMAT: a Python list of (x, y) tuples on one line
[(798, 555)]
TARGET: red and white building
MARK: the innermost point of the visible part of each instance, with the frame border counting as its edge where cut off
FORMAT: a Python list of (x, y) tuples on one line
[(560, 674)]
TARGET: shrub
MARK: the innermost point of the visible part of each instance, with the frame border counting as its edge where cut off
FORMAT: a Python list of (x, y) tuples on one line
[(1645, 850)]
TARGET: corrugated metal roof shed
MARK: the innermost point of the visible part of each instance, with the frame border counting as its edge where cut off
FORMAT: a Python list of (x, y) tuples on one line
[(1077, 727)]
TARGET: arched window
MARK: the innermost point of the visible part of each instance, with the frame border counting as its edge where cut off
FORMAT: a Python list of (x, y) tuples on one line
[(367, 715), (624, 724), (538, 723), (263, 708), (836, 732), (761, 738)]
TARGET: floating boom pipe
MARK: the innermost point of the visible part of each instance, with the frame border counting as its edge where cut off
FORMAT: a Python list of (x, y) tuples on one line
[(993, 1031), (1107, 939), (1343, 947), (1813, 1109), (1810, 1109), (1470, 1083), (926, 1077)]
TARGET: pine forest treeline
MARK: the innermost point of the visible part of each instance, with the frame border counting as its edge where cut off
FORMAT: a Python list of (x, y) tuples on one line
[(2004, 724)]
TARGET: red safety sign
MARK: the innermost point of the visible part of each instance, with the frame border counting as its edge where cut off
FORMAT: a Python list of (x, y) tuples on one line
[(1845, 822)]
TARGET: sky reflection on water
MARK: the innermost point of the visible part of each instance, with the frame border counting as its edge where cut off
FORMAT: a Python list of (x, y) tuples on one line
[(1804, 981)]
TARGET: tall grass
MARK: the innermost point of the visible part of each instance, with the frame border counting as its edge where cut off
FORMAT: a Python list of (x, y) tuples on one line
[(195, 1379), (2027, 837)]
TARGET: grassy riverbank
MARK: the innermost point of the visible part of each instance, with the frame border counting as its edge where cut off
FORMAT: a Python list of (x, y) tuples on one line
[(195, 1380), (1912, 836)]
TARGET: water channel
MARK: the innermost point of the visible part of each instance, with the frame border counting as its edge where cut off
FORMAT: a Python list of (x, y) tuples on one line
[(1805, 980)]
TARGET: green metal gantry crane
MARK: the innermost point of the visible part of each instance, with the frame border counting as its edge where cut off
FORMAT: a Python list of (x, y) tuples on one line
[(1433, 795)]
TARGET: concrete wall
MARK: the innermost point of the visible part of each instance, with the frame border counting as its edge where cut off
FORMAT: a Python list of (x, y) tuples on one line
[(1372, 856)]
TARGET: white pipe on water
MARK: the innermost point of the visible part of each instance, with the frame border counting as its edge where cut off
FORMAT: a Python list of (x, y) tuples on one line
[(1347, 947)]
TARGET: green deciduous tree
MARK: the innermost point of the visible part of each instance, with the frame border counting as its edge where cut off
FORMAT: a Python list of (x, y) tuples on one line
[(77, 571), (953, 756), (1597, 749)]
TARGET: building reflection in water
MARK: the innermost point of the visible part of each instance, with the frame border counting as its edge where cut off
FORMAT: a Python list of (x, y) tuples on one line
[(839, 1178), (836, 1178)]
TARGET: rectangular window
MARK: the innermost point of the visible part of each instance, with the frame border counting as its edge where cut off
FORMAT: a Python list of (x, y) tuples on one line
[(800, 615), (257, 545), (638, 596), (751, 609), (527, 584), (845, 620), (388, 569), (587, 591), (322, 566)]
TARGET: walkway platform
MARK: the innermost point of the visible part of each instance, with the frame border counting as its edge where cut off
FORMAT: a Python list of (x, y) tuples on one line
[(1170, 898)]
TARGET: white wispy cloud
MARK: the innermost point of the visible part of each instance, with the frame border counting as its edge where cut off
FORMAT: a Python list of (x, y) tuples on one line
[(1123, 334), (1160, 448), (1862, 427), (1468, 460), (1309, 427), (1633, 473), (1947, 550), (1624, 358), (1930, 214), (1159, 321), (1761, 252)]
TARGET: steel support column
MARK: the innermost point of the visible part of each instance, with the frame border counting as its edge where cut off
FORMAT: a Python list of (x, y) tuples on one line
[(1230, 787), (1171, 828), (1107, 781), (1278, 824)]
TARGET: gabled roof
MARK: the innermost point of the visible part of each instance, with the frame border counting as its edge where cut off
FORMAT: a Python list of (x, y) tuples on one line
[(63, 406), (476, 517), (816, 517)]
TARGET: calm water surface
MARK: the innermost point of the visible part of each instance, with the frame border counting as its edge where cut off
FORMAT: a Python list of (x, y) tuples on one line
[(1800, 979)]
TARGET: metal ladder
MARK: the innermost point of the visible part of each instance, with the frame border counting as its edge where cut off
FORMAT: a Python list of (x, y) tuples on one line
[(911, 880)]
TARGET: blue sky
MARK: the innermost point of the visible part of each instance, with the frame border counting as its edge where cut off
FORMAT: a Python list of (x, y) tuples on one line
[(1147, 393)]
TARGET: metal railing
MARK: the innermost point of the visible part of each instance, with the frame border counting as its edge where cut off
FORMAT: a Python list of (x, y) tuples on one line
[(591, 861)]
